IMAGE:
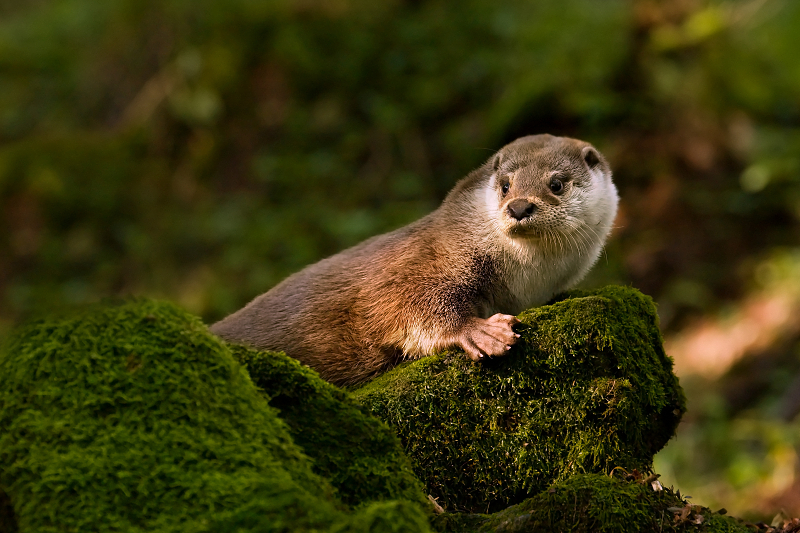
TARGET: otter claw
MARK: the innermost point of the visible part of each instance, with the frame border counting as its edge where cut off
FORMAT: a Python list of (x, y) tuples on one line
[(489, 337)]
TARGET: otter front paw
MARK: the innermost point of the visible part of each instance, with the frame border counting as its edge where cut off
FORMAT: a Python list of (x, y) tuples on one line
[(488, 337)]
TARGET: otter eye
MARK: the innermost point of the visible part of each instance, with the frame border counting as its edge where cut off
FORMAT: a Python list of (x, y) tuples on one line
[(505, 188), (556, 186)]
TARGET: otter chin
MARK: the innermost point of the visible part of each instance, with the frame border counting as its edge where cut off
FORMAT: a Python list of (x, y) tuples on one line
[(527, 224)]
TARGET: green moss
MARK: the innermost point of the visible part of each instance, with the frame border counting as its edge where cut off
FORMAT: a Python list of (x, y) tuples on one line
[(359, 454), (134, 418), (587, 389), (377, 517), (593, 503)]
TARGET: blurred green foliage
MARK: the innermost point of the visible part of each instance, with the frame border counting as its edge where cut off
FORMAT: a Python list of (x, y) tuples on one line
[(203, 151), (739, 444)]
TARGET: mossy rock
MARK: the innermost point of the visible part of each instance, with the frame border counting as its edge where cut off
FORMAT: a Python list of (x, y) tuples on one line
[(133, 417), (360, 455), (588, 388), (595, 503)]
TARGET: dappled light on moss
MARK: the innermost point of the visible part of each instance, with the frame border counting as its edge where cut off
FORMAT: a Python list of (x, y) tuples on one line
[(133, 417), (587, 389)]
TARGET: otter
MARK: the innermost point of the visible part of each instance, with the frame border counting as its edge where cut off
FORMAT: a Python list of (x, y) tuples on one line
[(526, 225)]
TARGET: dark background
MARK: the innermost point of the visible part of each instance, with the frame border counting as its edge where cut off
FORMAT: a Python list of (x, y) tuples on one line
[(200, 151)]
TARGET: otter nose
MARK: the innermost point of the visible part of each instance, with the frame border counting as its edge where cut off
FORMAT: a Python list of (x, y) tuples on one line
[(520, 208)]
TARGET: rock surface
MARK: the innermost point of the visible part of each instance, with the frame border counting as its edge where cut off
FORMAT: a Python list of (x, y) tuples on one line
[(588, 388), (135, 418), (360, 455), (132, 417), (598, 504)]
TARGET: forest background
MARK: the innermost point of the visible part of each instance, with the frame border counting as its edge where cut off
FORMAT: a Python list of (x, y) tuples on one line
[(202, 151)]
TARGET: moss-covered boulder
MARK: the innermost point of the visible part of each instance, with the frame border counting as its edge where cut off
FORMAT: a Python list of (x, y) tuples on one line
[(588, 388), (595, 503), (133, 417), (360, 455)]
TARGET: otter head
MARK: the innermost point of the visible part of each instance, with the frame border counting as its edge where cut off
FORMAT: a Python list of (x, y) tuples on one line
[(553, 190)]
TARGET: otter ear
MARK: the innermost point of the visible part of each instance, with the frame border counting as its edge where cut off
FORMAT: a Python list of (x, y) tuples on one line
[(496, 162), (591, 156)]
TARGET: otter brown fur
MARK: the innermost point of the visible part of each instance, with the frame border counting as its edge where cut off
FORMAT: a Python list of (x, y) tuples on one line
[(526, 225)]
